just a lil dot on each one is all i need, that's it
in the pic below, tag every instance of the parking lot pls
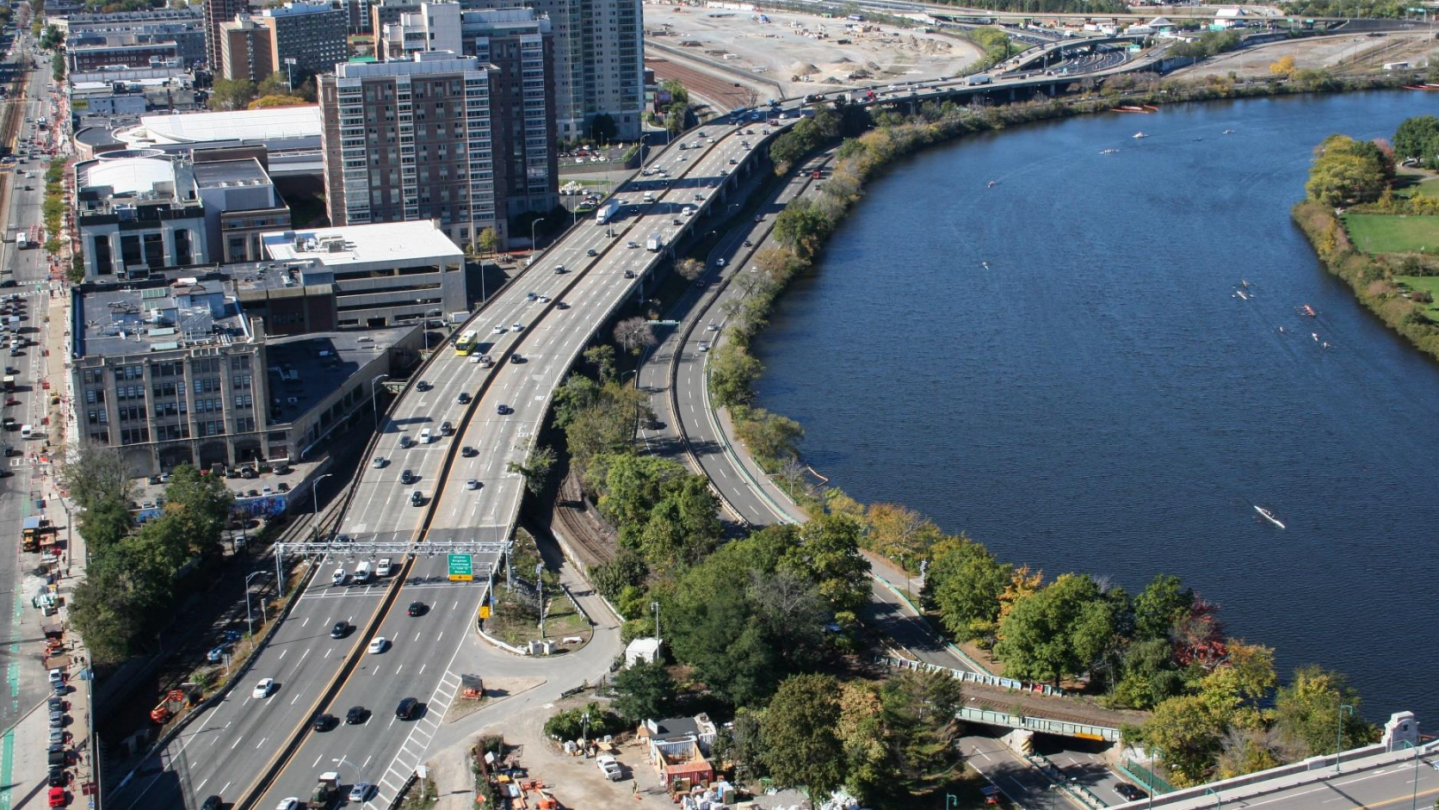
(806, 53)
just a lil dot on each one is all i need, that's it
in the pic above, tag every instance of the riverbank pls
(1388, 284)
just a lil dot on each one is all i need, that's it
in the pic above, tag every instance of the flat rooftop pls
(202, 127)
(381, 243)
(304, 369)
(230, 173)
(253, 276)
(123, 321)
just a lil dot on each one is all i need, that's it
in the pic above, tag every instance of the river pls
(1099, 398)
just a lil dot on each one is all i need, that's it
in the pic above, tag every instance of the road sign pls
(89, 788)
(484, 611)
(461, 568)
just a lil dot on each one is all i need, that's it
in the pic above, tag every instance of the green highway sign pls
(461, 568)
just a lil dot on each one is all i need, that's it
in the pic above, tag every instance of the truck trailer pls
(606, 212)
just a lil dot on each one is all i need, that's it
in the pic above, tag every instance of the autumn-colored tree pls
(900, 533)
(1284, 67)
(1022, 583)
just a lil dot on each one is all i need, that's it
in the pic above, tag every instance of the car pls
(57, 719)
(733, 162)
(447, 429)
(57, 704)
(263, 688)
(214, 656)
(406, 442)
(290, 803)
(610, 768)
(500, 330)
(463, 398)
(632, 244)
(361, 791)
(592, 253)
(532, 296)
(748, 243)
(422, 386)
(472, 484)
(713, 327)
(469, 452)
(704, 346)
(629, 274)
(719, 263)
(559, 270)
(1129, 791)
(407, 709)
(515, 357)
(383, 568)
(407, 477)
(561, 305)
(425, 436)
(324, 722)
(416, 609)
(699, 197)
(58, 777)
(356, 715)
(504, 410)
(677, 223)
(378, 644)
(700, 283)
(544, 299)
(340, 630)
(517, 327)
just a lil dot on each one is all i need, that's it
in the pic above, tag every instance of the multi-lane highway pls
(533, 329)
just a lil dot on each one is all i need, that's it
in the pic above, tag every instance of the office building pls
(312, 33)
(82, 22)
(412, 140)
(383, 274)
(173, 371)
(126, 50)
(519, 47)
(217, 13)
(188, 34)
(240, 204)
(598, 64)
(244, 51)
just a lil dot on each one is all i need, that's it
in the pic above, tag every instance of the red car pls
(11, 401)
(58, 797)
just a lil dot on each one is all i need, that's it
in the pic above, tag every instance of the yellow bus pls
(466, 342)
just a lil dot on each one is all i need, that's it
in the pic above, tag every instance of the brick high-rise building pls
(217, 13)
(244, 51)
(413, 140)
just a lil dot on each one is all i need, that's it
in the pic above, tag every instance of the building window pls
(154, 251)
(183, 252)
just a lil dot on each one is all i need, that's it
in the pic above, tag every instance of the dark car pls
(58, 777)
(464, 398)
(407, 709)
(211, 803)
(516, 358)
(356, 715)
(417, 609)
(504, 410)
(1129, 791)
(58, 704)
(340, 630)
(324, 722)
(469, 452)
(9, 282)
(407, 477)
(422, 386)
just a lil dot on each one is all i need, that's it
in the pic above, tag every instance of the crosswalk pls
(412, 753)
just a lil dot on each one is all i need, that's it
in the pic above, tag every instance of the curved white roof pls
(129, 175)
(274, 122)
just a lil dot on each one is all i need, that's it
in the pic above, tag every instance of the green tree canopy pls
(1346, 171)
(964, 582)
(801, 745)
(644, 691)
(1162, 603)
(1306, 712)
(1059, 630)
(1418, 138)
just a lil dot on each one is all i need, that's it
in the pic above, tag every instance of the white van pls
(26, 431)
(425, 436)
(383, 569)
(362, 573)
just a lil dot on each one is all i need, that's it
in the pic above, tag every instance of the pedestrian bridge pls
(1039, 725)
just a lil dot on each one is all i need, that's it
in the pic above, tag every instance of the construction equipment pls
(471, 687)
(174, 701)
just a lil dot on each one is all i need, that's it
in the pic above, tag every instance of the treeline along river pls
(1062, 366)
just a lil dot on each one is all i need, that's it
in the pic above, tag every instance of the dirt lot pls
(577, 781)
(1346, 52)
(786, 49)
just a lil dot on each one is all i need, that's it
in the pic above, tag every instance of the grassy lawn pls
(517, 625)
(1378, 233)
(1429, 284)
(1429, 186)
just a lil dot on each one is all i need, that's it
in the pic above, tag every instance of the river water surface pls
(1099, 398)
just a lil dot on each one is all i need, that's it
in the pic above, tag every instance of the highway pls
(229, 749)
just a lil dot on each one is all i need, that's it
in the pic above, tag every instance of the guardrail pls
(984, 679)
(1064, 783)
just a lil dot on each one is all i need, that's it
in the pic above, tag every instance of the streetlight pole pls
(1414, 802)
(290, 73)
(1149, 783)
(249, 622)
(1339, 733)
(374, 405)
(540, 587)
(1219, 803)
(315, 491)
(534, 247)
(655, 606)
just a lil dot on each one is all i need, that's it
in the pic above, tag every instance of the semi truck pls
(978, 78)
(606, 212)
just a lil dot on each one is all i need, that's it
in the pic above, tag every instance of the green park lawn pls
(1382, 233)
(1429, 284)
(1428, 185)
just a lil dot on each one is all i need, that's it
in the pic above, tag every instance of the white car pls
(378, 644)
(338, 578)
(500, 330)
(425, 436)
(379, 462)
(472, 484)
(610, 768)
(383, 569)
(291, 803)
(519, 327)
(719, 263)
(361, 791)
(263, 688)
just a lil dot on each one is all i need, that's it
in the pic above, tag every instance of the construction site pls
(800, 53)
(1346, 53)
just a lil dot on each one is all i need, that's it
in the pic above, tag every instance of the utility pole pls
(540, 588)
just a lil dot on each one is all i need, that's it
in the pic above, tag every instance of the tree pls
(231, 94)
(536, 469)
(200, 504)
(1285, 67)
(733, 371)
(1161, 605)
(275, 84)
(602, 357)
(625, 569)
(633, 485)
(95, 473)
(684, 527)
(828, 556)
(690, 269)
(57, 67)
(634, 335)
(964, 582)
(1021, 584)
(1418, 138)
(900, 533)
(269, 102)
(1247, 751)
(1148, 674)
(487, 241)
(1347, 171)
(741, 746)
(1187, 732)
(644, 691)
(603, 128)
(1059, 630)
(106, 523)
(675, 117)
(801, 746)
(919, 707)
(802, 227)
(769, 436)
(1307, 709)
